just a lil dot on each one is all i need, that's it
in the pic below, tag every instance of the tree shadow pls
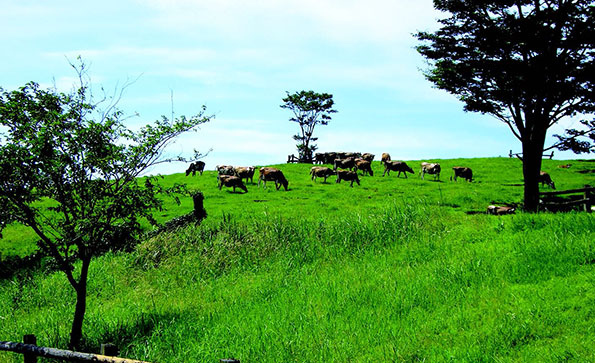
(125, 334)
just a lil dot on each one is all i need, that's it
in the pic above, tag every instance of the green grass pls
(391, 270)
(496, 180)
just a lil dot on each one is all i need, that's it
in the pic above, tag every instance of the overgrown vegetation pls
(393, 270)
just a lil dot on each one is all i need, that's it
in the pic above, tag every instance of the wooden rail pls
(520, 155)
(587, 201)
(32, 351)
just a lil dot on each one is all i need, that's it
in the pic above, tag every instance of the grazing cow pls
(498, 210)
(364, 165)
(385, 158)
(544, 178)
(321, 172)
(194, 167)
(368, 157)
(348, 163)
(225, 170)
(330, 157)
(347, 175)
(245, 172)
(462, 172)
(567, 166)
(319, 158)
(232, 181)
(272, 174)
(430, 168)
(351, 155)
(399, 166)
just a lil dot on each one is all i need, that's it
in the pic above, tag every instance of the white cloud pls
(343, 21)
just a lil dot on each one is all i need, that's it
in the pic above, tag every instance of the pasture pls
(398, 269)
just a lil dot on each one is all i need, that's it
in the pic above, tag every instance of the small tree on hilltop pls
(70, 172)
(529, 63)
(309, 109)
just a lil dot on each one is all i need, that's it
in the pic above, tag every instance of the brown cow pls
(544, 178)
(319, 158)
(430, 168)
(232, 181)
(224, 170)
(399, 166)
(364, 165)
(347, 175)
(462, 172)
(194, 167)
(245, 172)
(500, 210)
(347, 163)
(330, 157)
(385, 158)
(320, 171)
(368, 157)
(272, 174)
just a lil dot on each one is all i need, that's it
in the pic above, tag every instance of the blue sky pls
(240, 57)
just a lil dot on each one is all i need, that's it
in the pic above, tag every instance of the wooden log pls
(65, 355)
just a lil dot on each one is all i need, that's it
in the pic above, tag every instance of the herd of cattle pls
(345, 167)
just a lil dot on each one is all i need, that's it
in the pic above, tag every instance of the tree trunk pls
(532, 155)
(76, 332)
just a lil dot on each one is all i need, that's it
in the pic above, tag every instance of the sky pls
(240, 58)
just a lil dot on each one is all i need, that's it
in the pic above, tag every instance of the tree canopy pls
(69, 170)
(309, 109)
(527, 63)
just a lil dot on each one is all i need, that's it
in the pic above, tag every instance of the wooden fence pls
(31, 351)
(584, 196)
(520, 155)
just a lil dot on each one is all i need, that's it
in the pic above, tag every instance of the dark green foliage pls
(574, 140)
(309, 109)
(68, 170)
(528, 63)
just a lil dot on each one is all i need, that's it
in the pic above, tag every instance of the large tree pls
(309, 109)
(69, 169)
(529, 63)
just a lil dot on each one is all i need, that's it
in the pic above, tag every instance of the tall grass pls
(400, 282)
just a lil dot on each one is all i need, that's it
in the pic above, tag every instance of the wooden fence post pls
(588, 196)
(29, 357)
(109, 350)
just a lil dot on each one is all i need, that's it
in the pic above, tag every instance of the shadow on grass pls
(127, 334)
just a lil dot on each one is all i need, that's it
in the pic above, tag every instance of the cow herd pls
(345, 167)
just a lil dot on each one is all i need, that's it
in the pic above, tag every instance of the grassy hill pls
(394, 269)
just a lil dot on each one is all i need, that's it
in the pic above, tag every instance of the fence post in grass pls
(109, 350)
(588, 196)
(199, 210)
(30, 357)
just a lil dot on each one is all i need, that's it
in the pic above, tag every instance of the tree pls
(71, 173)
(528, 63)
(309, 109)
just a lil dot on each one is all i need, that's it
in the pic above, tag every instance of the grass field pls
(395, 269)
